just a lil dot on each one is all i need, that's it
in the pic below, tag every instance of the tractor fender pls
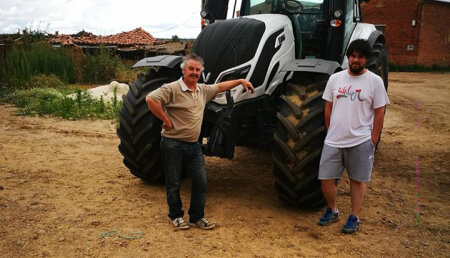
(375, 36)
(312, 65)
(169, 61)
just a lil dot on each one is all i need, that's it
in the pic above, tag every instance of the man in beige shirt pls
(180, 106)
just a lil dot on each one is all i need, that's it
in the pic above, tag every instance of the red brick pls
(429, 37)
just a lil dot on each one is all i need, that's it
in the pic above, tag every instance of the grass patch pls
(54, 102)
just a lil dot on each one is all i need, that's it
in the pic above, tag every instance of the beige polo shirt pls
(184, 108)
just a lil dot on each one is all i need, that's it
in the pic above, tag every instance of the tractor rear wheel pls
(378, 65)
(139, 130)
(298, 141)
(378, 62)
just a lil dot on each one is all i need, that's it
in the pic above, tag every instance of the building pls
(417, 31)
(133, 45)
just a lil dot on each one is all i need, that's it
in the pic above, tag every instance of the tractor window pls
(258, 6)
(312, 29)
(311, 4)
(349, 22)
(250, 7)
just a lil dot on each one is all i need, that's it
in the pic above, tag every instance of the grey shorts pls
(358, 160)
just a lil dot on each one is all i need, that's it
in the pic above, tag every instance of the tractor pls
(287, 49)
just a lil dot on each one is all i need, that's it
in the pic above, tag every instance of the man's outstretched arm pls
(228, 85)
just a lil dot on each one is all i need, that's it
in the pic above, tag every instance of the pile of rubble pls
(106, 92)
(135, 37)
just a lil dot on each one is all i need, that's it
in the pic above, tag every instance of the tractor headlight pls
(203, 14)
(338, 13)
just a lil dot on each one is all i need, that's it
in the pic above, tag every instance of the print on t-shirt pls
(344, 93)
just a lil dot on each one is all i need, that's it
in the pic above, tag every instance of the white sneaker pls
(203, 224)
(180, 224)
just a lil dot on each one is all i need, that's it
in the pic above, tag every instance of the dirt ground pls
(63, 184)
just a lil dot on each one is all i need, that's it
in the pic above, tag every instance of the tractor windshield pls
(307, 20)
(279, 6)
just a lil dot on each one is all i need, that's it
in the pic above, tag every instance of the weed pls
(24, 62)
(100, 67)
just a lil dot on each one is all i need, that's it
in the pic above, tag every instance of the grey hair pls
(194, 57)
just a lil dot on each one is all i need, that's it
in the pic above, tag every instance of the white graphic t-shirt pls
(354, 100)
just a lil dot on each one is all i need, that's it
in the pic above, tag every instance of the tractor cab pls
(322, 28)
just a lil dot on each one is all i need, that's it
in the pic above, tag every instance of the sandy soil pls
(63, 184)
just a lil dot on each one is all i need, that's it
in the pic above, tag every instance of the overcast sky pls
(103, 17)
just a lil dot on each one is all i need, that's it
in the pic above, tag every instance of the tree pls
(175, 38)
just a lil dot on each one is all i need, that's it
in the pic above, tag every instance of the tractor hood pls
(228, 44)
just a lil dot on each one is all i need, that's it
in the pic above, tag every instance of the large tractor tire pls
(139, 130)
(298, 141)
(378, 62)
(378, 65)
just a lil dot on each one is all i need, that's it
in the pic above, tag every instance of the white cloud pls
(102, 17)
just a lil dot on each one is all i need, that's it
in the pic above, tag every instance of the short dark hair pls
(194, 57)
(360, 46)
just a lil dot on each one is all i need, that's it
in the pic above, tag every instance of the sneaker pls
(179, 223)
(352, 224)
(203, 224)
(329, 217)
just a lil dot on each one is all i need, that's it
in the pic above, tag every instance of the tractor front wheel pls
(298, 141)
(139, 130)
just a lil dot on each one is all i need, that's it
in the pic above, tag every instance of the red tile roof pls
(135, 37)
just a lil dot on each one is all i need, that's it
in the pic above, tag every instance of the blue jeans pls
(179, 156)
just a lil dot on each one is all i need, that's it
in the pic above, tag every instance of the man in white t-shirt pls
(354, 114)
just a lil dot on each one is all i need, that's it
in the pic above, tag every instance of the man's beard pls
(356, 70)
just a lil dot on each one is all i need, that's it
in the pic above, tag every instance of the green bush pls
(31, 100)
(48, 101)
(46, 81)
(101, 67)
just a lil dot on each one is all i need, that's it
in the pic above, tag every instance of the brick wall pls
(434, 40)
(428, 39)
(397, 15)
